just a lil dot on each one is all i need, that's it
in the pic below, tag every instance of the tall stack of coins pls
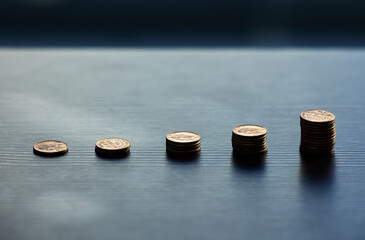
(112, 147)
(318, 132)
(182, 142)
(249, 139)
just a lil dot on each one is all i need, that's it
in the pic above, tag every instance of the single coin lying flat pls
(318, 116)
(112, 147)
(250, 130)
(50, 148)
(183, 137)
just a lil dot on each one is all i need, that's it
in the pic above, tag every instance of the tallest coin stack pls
(318, 135)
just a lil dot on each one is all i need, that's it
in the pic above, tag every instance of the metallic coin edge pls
(39, 152)
(111, 150)
(172, 140)
(240, 135)
(312, 121)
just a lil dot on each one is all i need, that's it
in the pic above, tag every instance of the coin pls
(181, 142)
(183, 137)
(318, 132)
(112, 147)
(249, 139)
(50, 148)
(317, 116)
(182, 146)
(316, 152)
(185, 151)
(249, 130)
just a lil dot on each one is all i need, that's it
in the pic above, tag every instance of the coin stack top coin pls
(50, 148)
(318, 132)
(112, 147)
(183, 142)
(249, 139)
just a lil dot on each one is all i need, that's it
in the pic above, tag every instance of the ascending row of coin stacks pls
(249, 140)
(318, 137)
(318, 132)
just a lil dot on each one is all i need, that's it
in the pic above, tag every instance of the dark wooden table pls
(81, 95)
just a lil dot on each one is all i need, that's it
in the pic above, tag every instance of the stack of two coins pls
(318, 132)
(249, 139)
(183, 142)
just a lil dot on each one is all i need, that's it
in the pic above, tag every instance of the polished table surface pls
(81, 95)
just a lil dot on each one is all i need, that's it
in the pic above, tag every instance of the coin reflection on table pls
(112, 147)
(50, 148)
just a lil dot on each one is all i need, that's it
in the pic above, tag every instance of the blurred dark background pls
(182, 22)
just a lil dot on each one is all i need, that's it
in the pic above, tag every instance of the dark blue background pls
(182, 23)
(248, 13)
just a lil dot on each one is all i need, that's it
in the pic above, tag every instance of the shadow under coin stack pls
(249, 139)
(318, 132)
(183, 142)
